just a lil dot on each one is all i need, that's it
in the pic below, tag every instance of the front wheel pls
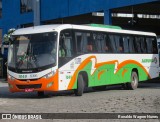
(134, 81)
(80, 86)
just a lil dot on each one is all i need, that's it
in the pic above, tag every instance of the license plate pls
(29, 89)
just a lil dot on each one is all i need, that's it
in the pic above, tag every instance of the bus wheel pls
(40, 93)
(134, 81)
(80, 86)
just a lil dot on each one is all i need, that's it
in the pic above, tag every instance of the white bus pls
(72, 57)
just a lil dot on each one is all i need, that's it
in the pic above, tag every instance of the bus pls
(72, 57)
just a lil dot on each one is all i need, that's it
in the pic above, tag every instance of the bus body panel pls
(104, 69)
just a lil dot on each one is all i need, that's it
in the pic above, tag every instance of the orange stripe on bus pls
(124, 71)
(121, 65)
(81, 66)
(104, 63)
(100, 73)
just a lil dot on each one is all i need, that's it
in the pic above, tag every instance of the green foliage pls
(8, 37)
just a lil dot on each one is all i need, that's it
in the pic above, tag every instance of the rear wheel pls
(134, 81)
(80, 86)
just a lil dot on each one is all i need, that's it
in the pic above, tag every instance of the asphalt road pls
(145, 99)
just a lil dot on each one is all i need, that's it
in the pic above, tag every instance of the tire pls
(134, 81)
(99, 88)
(40, 93)
(80, 86)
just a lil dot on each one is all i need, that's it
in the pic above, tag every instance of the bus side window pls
(78, 39)
(62, 52)
(119, 44)
(84, 43)
(90, 45)
(67, 43)
(66, 50)
(143, 45)
(99, 41)
(137, 45)
(131, 45)
(116, 43)
(108, 47)
(149, 45)
(154, 46)
(113, 45)
(126, 44)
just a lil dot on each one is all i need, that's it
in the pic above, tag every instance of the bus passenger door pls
(66, 54)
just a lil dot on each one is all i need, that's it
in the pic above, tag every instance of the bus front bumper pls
(41, 84)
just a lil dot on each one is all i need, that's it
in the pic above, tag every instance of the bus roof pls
(104, 26)
(39, 29)
(58, 27)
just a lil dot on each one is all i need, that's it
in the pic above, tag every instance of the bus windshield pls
(33, 51)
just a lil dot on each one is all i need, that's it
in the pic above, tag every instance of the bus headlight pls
(11, 77)
(49, 75)
(49, 84)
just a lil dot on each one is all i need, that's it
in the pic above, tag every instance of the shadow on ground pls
(4, 91)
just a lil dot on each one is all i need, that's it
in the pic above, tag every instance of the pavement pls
(145, 99)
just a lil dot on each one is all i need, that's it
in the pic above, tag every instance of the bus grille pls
(28, 79)
(36, 86)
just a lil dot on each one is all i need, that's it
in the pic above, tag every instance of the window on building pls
(26, 6)
(0, 8)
